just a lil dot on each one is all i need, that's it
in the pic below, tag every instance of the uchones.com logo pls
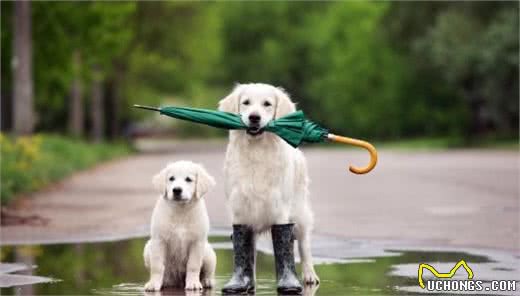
(443, 282)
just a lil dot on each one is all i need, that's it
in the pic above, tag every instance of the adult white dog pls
(178, 253)
(266, 184)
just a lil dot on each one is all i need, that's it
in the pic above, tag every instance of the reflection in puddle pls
(117, 268)
(263, 287)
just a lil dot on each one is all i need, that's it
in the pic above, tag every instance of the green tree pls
(268, 42)
(480, 61)
(99, 32)
(464, 57)
(358, 80)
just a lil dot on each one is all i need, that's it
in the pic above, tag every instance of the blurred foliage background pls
(29, 163)
(374, 70)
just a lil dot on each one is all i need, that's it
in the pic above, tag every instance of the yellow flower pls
(29, 147)
(5, 143)
(21, 165)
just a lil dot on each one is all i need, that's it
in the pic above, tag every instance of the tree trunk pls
(114, 119)
(97, 106)
(116, 100)
(76, 113)
(23, 112)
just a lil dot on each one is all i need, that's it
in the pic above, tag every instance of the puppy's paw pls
(208, 283)
(310, 277)
(153, 285)
(193, 285)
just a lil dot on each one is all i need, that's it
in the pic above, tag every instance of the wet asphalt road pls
(459, 198)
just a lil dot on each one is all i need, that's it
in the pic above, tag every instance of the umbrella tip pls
(146, 107)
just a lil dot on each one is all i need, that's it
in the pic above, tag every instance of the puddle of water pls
(117, 268)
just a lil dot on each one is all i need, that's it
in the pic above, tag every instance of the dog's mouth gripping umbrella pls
(293, 128)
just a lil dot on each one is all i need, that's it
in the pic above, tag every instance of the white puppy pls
(178, 253)
(267, 179)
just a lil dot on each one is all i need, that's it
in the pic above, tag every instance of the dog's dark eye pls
(172, 178)
(246, 102)
(267, 104)
(188, 179)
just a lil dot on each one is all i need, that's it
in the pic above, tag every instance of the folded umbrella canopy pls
(293, 128)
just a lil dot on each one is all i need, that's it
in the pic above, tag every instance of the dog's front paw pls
(193, 285)
(208, 283)
(310, 277)
(153, 285)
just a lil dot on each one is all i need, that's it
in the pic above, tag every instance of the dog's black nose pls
(254, 118)
(177, 191)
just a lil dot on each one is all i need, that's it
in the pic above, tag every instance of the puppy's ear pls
(159, 181)
(204, 182)
(230, 103)
(284, 105)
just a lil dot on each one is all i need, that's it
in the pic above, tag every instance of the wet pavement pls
(455, 198)
(372, 231)
(345, 266)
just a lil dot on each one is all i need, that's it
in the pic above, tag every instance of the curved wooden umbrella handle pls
(350, 141)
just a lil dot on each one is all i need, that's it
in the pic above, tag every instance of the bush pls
(29, 163)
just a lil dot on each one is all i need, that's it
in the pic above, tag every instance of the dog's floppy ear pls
(284, 105)
(159, 180)
(204, 182)
(230, 103)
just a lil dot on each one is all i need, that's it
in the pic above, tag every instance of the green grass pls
(447, 143)
(422, 144)
(439, 143)
(30, 163)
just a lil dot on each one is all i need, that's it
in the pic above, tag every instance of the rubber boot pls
(243, 279)
(283, 245)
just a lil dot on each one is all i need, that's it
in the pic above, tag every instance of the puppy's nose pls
(254, 118)
(177, 191)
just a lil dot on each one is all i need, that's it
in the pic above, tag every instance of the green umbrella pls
(293, 128)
